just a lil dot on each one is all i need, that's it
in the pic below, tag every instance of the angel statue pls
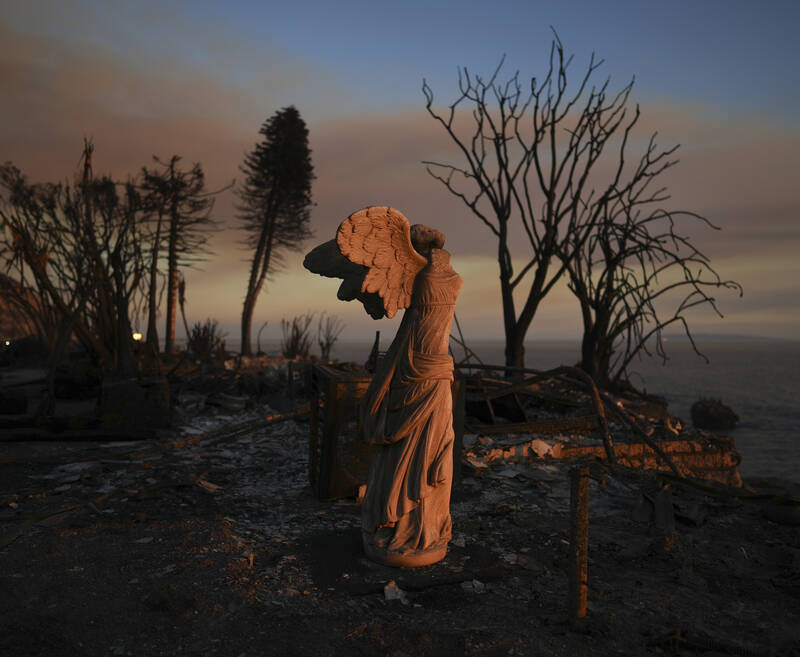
(407, 411)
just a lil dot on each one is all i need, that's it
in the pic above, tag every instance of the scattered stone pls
(393, 592)
(713, 415)
(475, 586)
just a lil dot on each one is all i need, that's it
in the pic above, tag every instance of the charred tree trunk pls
(247, 321)
(258, 273)
(515, 349)
(152, 299)
(589, 363)
(182, 301)
(125, 365)
(172, 281)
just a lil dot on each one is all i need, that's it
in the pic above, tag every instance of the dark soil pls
(203, 543)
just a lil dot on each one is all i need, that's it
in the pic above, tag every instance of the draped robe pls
(407, 414)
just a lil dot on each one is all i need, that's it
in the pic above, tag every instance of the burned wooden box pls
(338, 458)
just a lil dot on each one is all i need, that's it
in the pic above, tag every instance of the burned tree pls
(296, 340)
(117, 261)
(181, 223)
(81, 246)
(530, 173)
(41, 274)
(25, 305)
(275, 202)
(637, 273)
(155, 190)
(329, 329)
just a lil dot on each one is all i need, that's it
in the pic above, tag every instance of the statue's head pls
(424, 238)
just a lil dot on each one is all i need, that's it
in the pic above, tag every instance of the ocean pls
(758, 378)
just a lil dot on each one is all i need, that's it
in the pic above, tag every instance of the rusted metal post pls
(578, 543)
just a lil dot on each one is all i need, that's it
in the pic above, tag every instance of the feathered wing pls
(327, 260)
(379, 238)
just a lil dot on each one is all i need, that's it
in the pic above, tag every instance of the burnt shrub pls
(296, 340)
(206, 340)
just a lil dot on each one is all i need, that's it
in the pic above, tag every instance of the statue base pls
(408, 560)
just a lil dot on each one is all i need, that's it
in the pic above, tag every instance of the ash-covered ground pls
(206, 541)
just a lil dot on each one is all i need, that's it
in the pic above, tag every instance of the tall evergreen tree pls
(275, 202)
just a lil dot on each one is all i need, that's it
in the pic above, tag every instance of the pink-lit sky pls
(198, 78)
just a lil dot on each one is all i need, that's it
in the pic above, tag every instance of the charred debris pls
(599, 519)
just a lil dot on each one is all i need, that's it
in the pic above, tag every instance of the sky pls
(197, 79)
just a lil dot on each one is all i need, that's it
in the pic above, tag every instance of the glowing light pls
(8, 343)
(137, 336)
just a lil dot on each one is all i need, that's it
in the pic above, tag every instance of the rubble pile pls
(555, 419)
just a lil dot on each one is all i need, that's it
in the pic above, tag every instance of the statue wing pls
(327, 260)
(379, 238)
